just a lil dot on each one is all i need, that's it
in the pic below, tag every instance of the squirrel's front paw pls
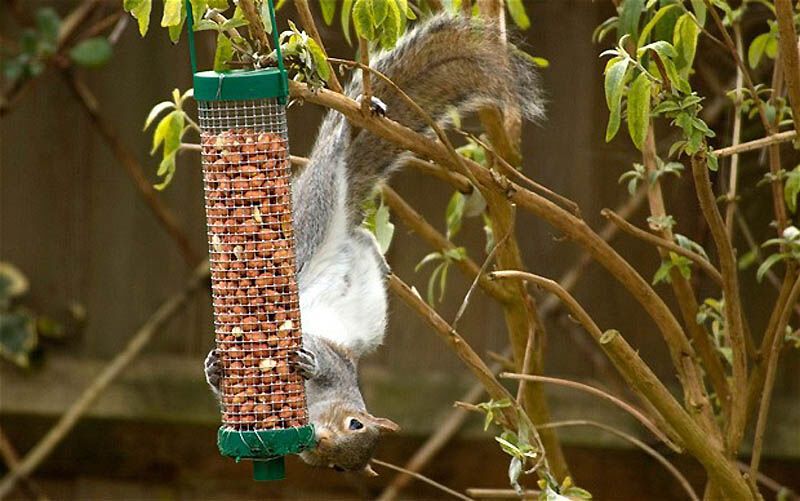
(305, 362)
(376, 106)
(213, 369)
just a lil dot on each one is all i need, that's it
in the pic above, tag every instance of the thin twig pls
(502, 493)
(769, 483)
(734, 321)
(642, 380)
(648, 237)
(638, 443)
(423, 478)
(476, 280)
(454, 179)
(417, 223)
(132, 166)
(507, 170)
(453, 421)
(107, 375)
(733, 175)
(784, 14)
(11, 459)
(769, 381)
(255, 25)
(633, 411)
(575, 229)
(757, 144)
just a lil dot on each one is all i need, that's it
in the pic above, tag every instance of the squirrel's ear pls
(385, 425)
(367, 471)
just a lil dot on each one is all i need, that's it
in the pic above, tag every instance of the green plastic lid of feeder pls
(238, 85)
(265, 448)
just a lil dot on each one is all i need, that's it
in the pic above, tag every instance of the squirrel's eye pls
(355, 424)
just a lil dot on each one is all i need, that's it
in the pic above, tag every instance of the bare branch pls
(423, 478)
(648, 237)
(638, 443)
(734, 320)
(633, 411)
(769, 382)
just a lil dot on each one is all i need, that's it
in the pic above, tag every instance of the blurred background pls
(98, 264)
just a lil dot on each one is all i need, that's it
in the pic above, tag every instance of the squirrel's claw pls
(213, 370)
(305, 362)
(376, 106)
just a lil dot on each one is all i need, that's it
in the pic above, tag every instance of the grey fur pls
(445, 62)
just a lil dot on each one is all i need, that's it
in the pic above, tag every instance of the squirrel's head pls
(347, 438)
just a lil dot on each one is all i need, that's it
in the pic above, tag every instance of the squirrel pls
(445, 62)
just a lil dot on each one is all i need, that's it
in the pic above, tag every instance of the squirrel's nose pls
(323, 435)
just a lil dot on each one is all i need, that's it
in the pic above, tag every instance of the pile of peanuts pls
(256, 310)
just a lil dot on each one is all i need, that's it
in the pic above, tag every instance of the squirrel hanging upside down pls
(445, 62)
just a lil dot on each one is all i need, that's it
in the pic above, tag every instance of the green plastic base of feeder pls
(238, 85)
(266, 448)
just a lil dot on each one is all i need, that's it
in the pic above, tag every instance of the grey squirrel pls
(444, 62)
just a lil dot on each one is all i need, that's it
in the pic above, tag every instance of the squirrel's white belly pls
(342, 294)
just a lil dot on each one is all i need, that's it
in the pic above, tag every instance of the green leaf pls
(328, 8)
(791, 189)
(13, 283)
(92, 52)
(614, 85)
(140, 10)
(685, 42)
(378, 10)
(699, 8)
(663, 11)
(384, 229)
(347, 10)
(757, 48)
(172, 13)
(362, 19)
(320, 60)
(176, 30)
(167, 166)
(639, 109)
(206, 25)
(429, 258)
(392, 25)
(767, 264)
(431, 295)
(157, 110)
(516, 9)
(629, 18)
(18, 337)
(161, 131)
(48, 23)
(224, 52)
(454, 214)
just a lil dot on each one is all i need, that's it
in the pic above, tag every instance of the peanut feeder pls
(246, 169)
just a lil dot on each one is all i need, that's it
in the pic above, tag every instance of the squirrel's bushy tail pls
(444, 62)
(447, 61)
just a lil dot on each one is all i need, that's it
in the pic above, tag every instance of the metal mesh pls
(251, 245)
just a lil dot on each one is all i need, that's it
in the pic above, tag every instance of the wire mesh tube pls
(251, 245)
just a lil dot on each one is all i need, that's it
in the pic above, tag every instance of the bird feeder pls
(246, 170)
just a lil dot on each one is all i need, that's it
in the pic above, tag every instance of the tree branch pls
(648, 237)
(734, 322)
(633, 411)
(784, 14)
(134, 169)
(642, 380)
(769, 382)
